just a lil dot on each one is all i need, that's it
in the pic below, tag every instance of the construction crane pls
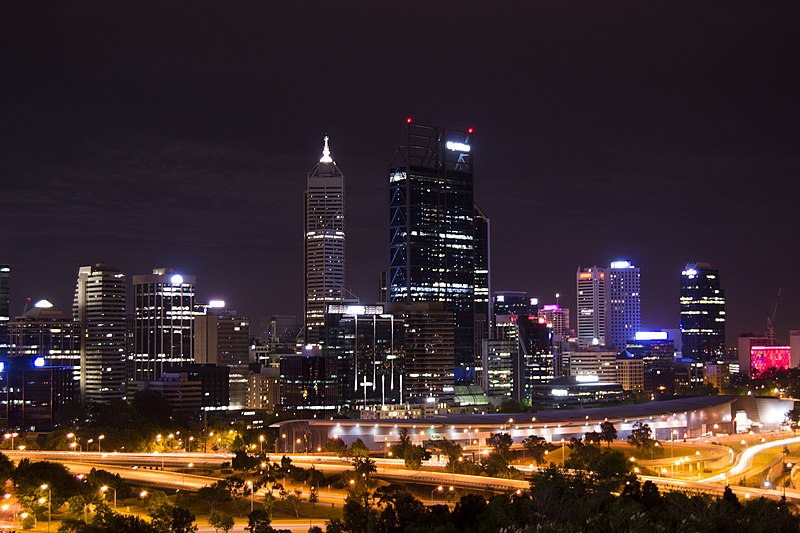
(771, 320)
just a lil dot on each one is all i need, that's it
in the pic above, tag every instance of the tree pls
(269, 502)
(501, 442)
(151, 408)
(608, 432)
(243, 462)
(293, 499)
(169, 518)
(592, 437)
(258, 522)
(413, 457)
(336, 446)
(640, 436)
(359, 449)
(538, 447)
(215, 493)
(451, 450)
(6, 468)
(363, 468)
(315, 529)
(29, 476)
(219, 520)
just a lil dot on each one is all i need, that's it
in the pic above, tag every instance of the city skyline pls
(680, 134)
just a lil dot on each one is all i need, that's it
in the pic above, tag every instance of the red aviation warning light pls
(470, 130)
(408, 120)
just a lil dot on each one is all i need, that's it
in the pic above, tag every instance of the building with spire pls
(324, 243)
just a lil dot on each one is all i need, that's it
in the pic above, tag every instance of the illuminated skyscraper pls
(46, 332)
(324, 236)
(432, 256)
(163, 329)
(702, 313)
(624, 304)
(591, 306)
(5, 307)
(99, 309)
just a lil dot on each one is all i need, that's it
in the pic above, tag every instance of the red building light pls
(764, 357)
(408, 120)
(470, 130)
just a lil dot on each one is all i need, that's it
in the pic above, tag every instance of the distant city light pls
(621, 264)
(457, 146)
(587, 378)
(408, 120)
(651, 335)
(177, 279)
(689, 272)
(534, 301)
(216, 304)
(470, 130)
(43, 304)
(551, 307)
(38, 362)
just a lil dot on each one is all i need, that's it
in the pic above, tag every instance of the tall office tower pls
(624, 304)
(483, 315)
(432, 230)
(163, 330)
(702, 313)
(591, 306)
(99, 309)
(5, 307)
(324, 242)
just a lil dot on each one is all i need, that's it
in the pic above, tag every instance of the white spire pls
(326, 153)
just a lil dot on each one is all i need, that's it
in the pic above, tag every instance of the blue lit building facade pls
(432, 255)
(33, 393)
(624, 312)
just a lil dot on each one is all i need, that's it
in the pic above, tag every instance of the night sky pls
(181, 134)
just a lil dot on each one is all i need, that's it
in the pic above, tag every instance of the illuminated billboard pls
(764, 357)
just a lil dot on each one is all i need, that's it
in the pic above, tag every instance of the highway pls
(146, 468)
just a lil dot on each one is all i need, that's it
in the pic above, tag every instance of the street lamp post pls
(11, 436)
(261, 442)
(49, 504)
(104, 488)
(99, 439)
(439, 489)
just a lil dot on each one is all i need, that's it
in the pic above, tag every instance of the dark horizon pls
(181, 135)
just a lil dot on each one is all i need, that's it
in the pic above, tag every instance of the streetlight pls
(261, 442)
(101, 437)
(439, 488)
(104, 488)
(49, 504)
(189, 444)
(11, 436)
